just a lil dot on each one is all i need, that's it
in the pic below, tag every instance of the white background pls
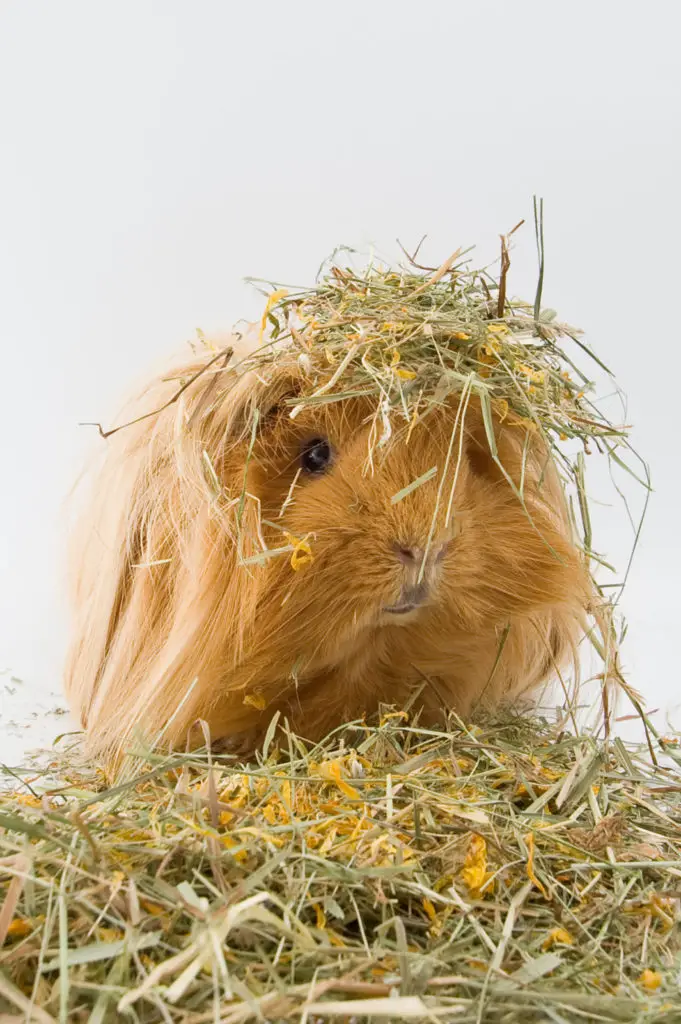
(153, 154)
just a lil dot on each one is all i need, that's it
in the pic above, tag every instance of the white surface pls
(153, 154)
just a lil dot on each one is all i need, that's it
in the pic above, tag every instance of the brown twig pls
(225, 353)
(505, 265)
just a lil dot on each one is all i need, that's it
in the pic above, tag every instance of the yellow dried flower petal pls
(474, 872)
(273, 299)
(529, 867)
(537, 376)
(460, 336)
(650, 980)
(27, 799)
(255, 700)
(561, 935)
(302, 552)
(429, 908)
(497, 328)
(19, 927)
(405, 374)
(155, 909)
(391, 715)
(331, 771)
(321, 916)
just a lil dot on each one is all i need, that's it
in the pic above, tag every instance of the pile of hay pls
(496, 873)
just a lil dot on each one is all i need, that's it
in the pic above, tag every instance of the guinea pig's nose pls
(410, 555)
(407, 554)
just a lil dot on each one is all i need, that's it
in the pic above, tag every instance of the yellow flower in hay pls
(331, 771)
(536, 376)
(255, 700)
(321, 916)
(262, 836)
(239, 855)
(429, 909)
(650, 980)
(27, 799)
(392, 715)
(659, 907)
(460, 336)
(272, 300)
(529, 867)
(269, 813)
(497, 328)
(557, 935)
(302, 552)
(502, 408)
(474, 872)
(155, 909)
(19, 927)
(400, 371)
(437, 921)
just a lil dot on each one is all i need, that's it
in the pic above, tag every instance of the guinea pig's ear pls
(520, 451)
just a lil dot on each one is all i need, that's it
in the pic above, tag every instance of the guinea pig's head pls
(428, 526)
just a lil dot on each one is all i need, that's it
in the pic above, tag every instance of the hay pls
(490, 873)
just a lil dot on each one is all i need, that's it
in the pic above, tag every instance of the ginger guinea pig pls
(188, 605)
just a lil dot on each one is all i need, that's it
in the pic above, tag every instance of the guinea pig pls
(236, 560)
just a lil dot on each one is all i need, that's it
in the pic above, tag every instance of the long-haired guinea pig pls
(188, 605)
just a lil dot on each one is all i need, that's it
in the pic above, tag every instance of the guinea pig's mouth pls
(411, 599)
(401, 609)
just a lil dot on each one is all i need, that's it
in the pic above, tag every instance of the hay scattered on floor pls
(495, 873)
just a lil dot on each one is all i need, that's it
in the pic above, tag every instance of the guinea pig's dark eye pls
(315, 456)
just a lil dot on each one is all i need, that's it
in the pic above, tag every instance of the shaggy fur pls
(170, 627)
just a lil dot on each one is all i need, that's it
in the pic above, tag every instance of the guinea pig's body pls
(186, 607)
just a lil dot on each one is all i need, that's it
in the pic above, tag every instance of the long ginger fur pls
(176, 619)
